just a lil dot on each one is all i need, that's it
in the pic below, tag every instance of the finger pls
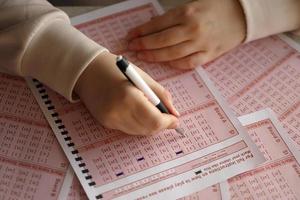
(153, 120)
(191, 61)
(156, 24)
(147, 114)
(174, 125)
(163, 94)
(165, 38)
(169, 53)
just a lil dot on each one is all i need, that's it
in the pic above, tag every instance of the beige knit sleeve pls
(37, 40)
(268, 17)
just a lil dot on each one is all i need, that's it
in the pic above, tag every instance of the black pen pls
(133, 76)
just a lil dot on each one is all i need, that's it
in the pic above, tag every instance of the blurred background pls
(75, 7)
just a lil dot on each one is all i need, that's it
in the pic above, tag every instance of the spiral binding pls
(45, 98)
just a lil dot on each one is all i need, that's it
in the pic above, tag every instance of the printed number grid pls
(262, 74)
(32, 164)
(278, 178)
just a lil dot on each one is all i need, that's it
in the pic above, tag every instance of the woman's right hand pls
(117, 104)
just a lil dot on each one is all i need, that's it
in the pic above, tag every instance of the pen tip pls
(180, 131)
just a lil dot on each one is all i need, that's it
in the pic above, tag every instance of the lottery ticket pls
(279, 177)
(261, 74)
(32, 163)
(110, 164)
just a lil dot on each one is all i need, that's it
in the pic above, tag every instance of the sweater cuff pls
(57, 56)
(268, 17)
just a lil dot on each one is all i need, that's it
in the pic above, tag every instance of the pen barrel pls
(162, 108)
(137, 80)
(133, 76)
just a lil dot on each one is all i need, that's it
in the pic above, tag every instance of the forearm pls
(268, 17)
(37, 40)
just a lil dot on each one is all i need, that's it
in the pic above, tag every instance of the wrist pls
(95, 74)
(240, 20)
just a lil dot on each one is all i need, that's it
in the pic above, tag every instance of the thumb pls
(173, 122)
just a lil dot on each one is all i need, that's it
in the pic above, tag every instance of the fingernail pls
(174, 125)
(176, 112)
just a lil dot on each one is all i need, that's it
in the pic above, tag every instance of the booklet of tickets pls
(110, 164)
(32, 164)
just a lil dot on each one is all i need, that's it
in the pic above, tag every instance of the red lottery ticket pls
(32, 164)
(261, 74)
(279, 177)
(110, 164)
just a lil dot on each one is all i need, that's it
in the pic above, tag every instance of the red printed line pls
(100, 143)
(289, 111)
(11, 77)
(31, 166)
(259, 78)
(259, 124)
(23, 120)
(203, 106)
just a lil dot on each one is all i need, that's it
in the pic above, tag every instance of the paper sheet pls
(32, 164)
(76, 192)
(262, 74)
(279, 177)
(110, 164)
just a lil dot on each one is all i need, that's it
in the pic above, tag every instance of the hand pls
(190, 35)
(117, 104)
